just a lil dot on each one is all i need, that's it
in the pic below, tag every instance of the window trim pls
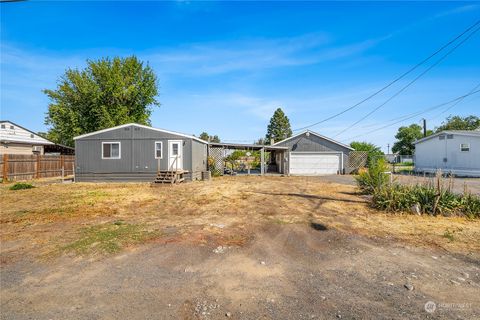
(119, 150)
(155, 149)
(468, 146)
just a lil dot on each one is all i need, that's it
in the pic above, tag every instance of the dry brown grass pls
(225, 210)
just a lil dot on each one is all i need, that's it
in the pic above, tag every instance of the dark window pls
(12, 127)
(175, 149)
(465, 147)
(31, 136)
(442, 137)
(449, 136)
(3, 126)
(158, 150)
(111, 150)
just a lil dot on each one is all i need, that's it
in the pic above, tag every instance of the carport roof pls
(242, 146)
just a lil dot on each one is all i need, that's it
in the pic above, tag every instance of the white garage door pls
(314, 163)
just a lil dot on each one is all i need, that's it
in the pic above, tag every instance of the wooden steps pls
(171, 177)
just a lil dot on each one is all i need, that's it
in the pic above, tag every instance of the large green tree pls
(373, 151)
(406, 136)
(458, 123)
(106, 93)
(279, 127)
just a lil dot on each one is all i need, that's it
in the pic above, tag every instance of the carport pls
(217, 151)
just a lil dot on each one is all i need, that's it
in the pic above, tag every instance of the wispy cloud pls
(254, 54)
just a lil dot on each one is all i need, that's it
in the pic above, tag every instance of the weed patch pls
(108, 238)
(21, 186)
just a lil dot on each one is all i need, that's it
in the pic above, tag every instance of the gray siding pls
(199, 159)
(137, 154)
(314, 143)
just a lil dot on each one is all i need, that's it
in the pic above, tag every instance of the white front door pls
(175, 154)
(314, 163)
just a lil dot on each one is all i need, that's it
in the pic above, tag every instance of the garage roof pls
(316, 134)
(242, 146)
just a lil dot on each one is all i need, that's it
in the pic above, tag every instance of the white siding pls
(433, 154)
(10, 132)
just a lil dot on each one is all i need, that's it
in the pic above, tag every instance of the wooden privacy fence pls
(26, 167)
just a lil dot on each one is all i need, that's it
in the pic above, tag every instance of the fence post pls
(62, 163)
(37, 169)
(5, 167)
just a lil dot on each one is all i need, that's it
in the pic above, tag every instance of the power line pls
(409, 84)
(416, 114)
(453, 105)
(392, 82)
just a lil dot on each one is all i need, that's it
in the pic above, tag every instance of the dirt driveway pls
(240, 248)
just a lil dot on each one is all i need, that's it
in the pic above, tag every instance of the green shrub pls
(21, 186)
(406, 164)
(373, 178)
(471, 205)
(429, 200)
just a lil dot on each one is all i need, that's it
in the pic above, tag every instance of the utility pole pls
(388, 148)
(424, 127)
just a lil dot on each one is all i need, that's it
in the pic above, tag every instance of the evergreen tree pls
(279, 127)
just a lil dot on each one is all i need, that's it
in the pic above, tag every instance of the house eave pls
(140, 126)
(473, 133)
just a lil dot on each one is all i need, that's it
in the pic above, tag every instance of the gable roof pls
(318, 135)
(471, 133)
(7, 137)
(140, 126)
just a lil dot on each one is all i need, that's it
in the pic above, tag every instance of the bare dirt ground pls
(234, 247)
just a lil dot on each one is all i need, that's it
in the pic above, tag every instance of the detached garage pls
(310, 153)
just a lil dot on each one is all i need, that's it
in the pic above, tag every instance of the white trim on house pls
(472, 133)
(316, 134)
(161, 149)
(140, 126)
(119, 150)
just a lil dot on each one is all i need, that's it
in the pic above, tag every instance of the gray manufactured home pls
(134, 152)
(310, 153)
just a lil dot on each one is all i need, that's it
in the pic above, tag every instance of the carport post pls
(262, 161)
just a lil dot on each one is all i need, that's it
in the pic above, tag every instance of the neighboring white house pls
(452, 151)
(15, 139)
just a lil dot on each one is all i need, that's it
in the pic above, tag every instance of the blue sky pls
(224, 67)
